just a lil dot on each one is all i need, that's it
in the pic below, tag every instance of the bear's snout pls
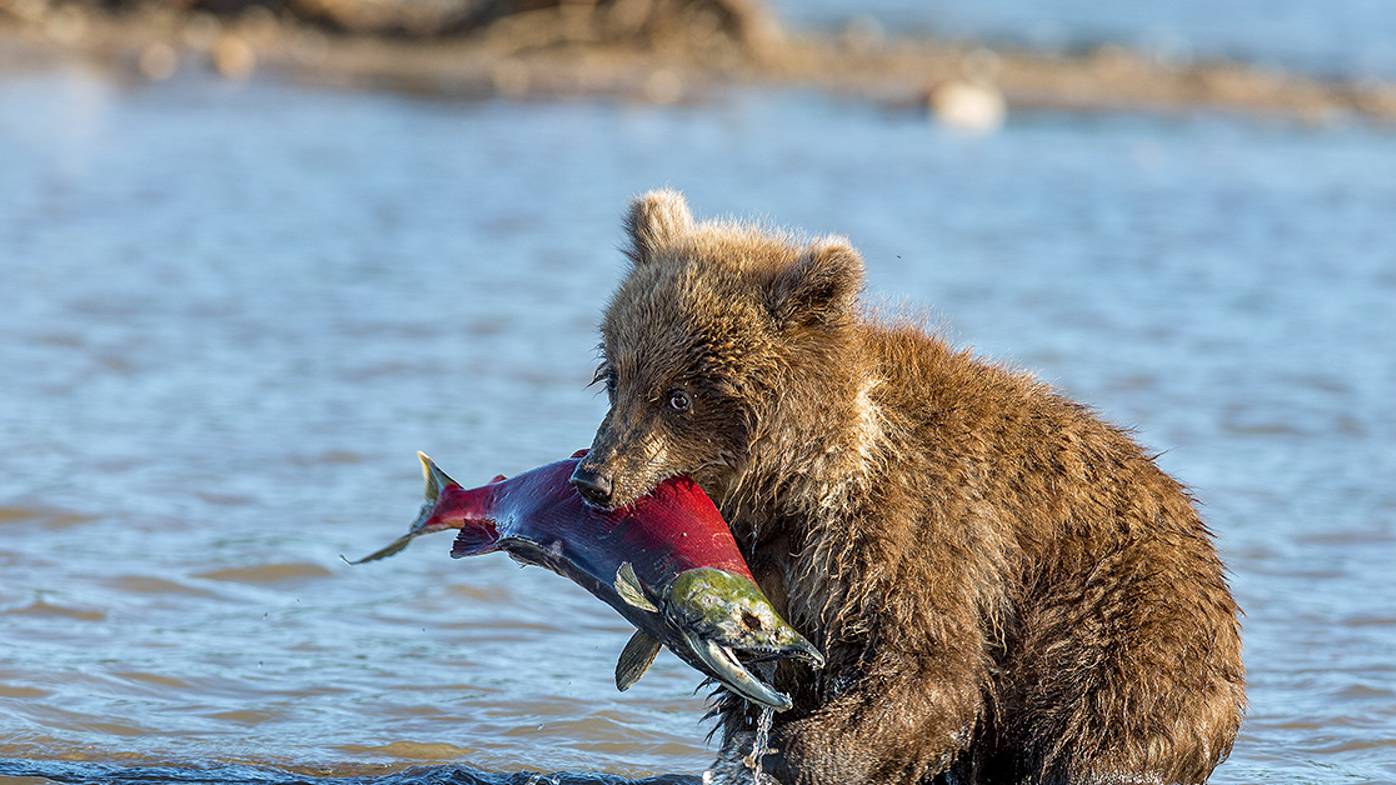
(594, 486)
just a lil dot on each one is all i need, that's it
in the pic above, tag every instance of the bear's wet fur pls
(1007, 588)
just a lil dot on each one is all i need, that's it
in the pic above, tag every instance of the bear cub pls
(1007, 589)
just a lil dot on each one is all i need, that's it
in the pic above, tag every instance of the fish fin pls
(475, 537)
(390, 549)
(436, 480)
(635, 659)
(630, 589)
(580, 453)
(498, 478)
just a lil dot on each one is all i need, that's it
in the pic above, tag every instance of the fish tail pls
(450, 506)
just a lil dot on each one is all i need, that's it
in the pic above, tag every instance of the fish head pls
(727, 623)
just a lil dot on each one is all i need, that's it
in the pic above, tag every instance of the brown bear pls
(1007, 589)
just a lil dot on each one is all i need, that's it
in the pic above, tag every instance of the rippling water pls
(229, 316)
(20, 772)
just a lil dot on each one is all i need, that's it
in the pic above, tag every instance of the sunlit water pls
(230, 315)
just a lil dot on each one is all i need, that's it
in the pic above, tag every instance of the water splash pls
(760, 747)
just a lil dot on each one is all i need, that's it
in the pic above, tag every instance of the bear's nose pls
(592, 485)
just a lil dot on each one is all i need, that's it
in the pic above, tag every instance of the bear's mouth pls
(725, 664)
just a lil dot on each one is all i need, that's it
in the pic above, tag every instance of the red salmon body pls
(673, 529)
(667, 563)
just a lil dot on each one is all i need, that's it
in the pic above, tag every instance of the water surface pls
(230, 315)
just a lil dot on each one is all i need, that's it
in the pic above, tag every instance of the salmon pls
(667, 563)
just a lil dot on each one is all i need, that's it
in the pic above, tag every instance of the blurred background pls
(254, 255)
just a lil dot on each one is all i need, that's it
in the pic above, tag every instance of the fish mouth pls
(800, 649)
(725, 663)
(728, 625)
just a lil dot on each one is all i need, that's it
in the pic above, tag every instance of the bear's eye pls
(679, 401)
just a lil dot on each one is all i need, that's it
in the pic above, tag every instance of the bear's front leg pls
(900, 724)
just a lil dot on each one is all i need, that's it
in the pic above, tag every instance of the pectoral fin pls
(630, 589)
(635, 659)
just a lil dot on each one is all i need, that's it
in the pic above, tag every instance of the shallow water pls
(229, 316)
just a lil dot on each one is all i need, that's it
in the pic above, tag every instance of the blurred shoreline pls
(575, 49)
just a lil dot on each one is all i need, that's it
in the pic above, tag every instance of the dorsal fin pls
(630, 589)
(635, 659)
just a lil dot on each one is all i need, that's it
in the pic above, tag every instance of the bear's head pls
(718, 331)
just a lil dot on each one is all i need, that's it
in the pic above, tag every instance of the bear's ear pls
(655, 220)
(821, 288)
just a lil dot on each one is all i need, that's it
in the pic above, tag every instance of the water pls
(760, 745)
(230, 315)
(1347, 38)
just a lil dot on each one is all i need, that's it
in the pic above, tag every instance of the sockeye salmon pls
(667, 563)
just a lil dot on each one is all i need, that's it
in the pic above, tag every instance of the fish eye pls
(679, 401)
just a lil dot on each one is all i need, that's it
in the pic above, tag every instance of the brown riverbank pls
(556, 50)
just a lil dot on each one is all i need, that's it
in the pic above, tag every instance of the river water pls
(230, 314)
